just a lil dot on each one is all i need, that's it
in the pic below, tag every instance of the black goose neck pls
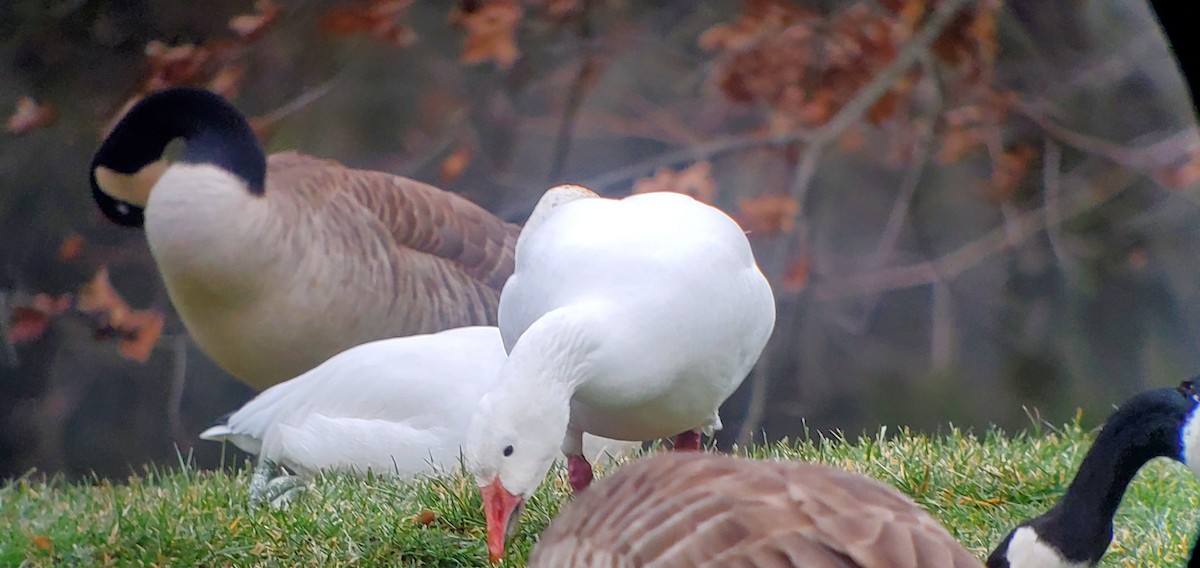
(1147, 426)
(213, 130)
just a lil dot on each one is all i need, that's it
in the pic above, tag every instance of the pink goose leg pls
(579, 472)
(687, 442)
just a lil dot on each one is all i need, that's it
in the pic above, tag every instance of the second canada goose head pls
(130, 161)
(1077, 530)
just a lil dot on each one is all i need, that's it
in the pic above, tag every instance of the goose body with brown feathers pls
(677, 510)
(276, 264)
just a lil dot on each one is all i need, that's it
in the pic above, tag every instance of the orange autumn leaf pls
(28, 116)
(1008, 170)
(1181, 175)
(455, 164)
(174, 65)
(137, 330)
(425, 517)
(379, 19)
(768, 215)
(795, 278)
(99, 297)
(26, 324)
(695, 180)
(52, 305)
(140, 334)
(956, 142)
(42, 542)
(491, 33)
(228, 81)
(250, 27)
(71, 247)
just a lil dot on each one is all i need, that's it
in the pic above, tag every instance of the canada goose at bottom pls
(685, 510)
(1076, 531)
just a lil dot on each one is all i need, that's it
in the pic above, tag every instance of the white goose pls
(394, 406)
(631, 319)
(276, 264)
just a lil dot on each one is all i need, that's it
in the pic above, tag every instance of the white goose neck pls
(554, 353)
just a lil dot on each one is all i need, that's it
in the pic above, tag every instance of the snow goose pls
(1077, 530)
(677, 510)
(630, 319)
(394, 406)
(276, 264)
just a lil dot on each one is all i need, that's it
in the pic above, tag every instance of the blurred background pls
(972, 212)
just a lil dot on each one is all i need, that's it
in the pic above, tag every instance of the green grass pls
(977, 486)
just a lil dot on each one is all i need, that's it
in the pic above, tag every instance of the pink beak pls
(501, 509)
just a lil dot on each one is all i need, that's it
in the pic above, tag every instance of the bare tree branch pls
(175, 396)
(1020, 228)
(583, 81)
(693, 154)
(1052, 189)
(1139, 158)
(8, 353)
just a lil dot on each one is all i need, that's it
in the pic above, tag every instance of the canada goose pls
(276, 264)
(631, 319)
(1077, 530)
(693, 510)
(394, 406)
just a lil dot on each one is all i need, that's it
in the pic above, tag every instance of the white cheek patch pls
(1027, 550)
(131, 188)
(1190, 441)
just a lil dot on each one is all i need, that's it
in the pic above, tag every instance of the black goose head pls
(1077, 530)
(129, 161)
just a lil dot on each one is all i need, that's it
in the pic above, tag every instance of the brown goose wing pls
(683, 510)
(442, 246)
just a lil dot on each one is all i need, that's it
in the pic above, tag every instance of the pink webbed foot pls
(579, 472)
(687, 442)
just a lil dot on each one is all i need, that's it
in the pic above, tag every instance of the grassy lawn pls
(978, 486)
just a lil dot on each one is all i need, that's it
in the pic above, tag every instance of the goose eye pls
(508, 450)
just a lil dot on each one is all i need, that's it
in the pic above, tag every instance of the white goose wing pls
(394, 402)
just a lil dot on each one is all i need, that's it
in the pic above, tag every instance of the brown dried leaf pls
(1182, 175)
(42, 542)
(52, 305)
(139, 333)
(174, 65)
(28, 116)
(795, 278)
(379, 19)
(228, 81)
(1008, 170)
(137, 330)
(956, 142)
(71, 247)
(250, 27)
(26, 324)
(425, 518)
(98, 297)
(491, 33)
(767, 215)
(455, 164)
(695, 180)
